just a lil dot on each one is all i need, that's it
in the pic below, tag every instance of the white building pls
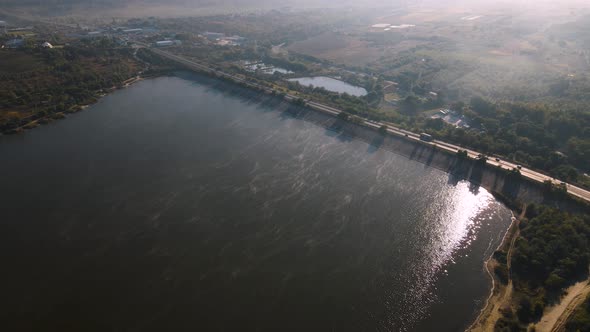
(132, 31)
(213, 35)
(164, 43)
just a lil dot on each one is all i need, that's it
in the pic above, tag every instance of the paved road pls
(525, 172)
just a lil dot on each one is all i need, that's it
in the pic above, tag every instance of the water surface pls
(185, 204)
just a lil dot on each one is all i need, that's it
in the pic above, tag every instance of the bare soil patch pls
(338, 48)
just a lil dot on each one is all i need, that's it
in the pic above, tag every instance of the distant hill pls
(198, 3)
(167, 8)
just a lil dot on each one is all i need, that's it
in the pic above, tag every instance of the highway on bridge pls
(525, 172)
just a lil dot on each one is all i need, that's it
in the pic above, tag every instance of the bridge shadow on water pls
(339, 129)
(475, 178)
(432, 152)
(292, 112)
(417, 148)
(424, 154)
(375, 144)
(511, 188)
(480, 175)
(458, 170)
(466, 170)
(230, 89)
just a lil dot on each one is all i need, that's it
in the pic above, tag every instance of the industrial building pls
(166, 43)
(213, 35)
(133, 31)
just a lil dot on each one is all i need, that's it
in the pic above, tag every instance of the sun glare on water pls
(456, 222)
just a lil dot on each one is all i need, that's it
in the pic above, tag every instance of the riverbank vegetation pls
(550, 252)
(38, 83)
(556, 140)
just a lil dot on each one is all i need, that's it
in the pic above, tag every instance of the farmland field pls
(504, 54)
(338, 48)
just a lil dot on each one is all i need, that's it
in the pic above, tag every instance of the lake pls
(331, 84)
(187, 204)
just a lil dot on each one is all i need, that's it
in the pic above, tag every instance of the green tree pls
(410, 105)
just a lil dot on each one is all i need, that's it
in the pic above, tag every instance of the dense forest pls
(37, 82)
(553, 249)
(556, 140)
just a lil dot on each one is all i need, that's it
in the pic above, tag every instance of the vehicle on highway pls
(426, 137)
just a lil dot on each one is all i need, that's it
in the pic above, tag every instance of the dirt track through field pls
(555, 317)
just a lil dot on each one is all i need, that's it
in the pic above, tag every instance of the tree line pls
(552, 251)
(69, 76)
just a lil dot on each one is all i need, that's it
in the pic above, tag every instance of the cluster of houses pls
(216, 38)
(20, 42)
(125, 35)
(452, 118)
(166, 43)
(221, 39)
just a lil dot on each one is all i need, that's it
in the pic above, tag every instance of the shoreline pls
(500, 293)
(74, 108)
(554, 317)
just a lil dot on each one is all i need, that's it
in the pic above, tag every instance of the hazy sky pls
(205, 7)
